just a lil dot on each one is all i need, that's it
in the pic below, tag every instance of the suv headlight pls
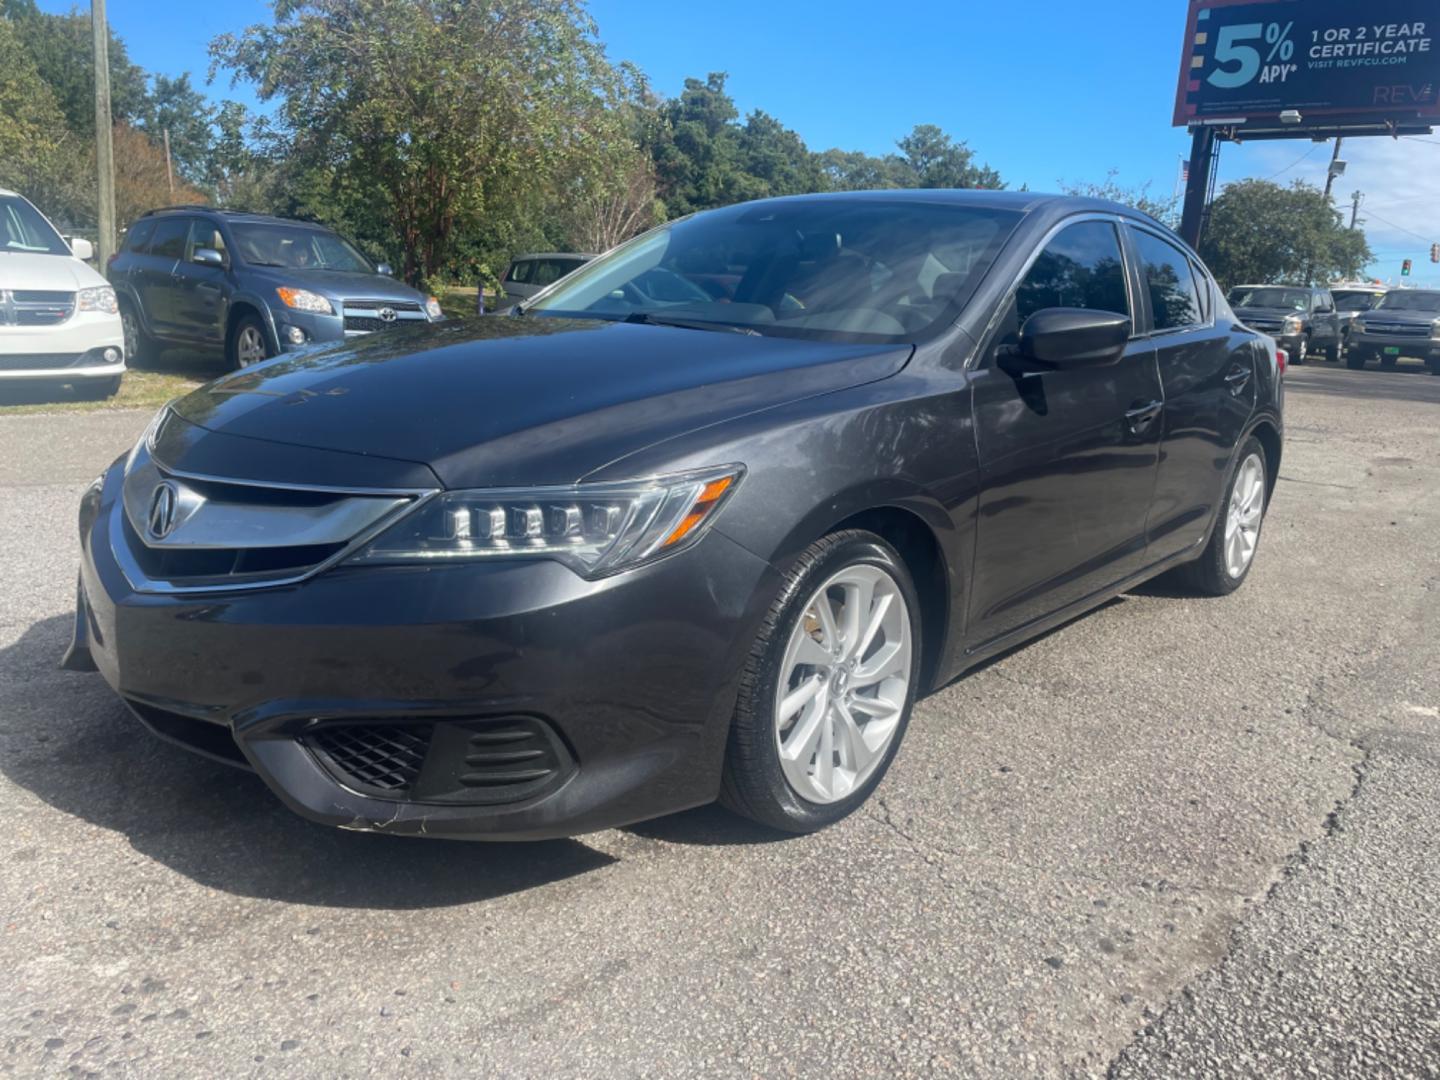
(1293, 325)
(100, 298)
(305, 300)
(595, 529)
(1435, 329)
(432, 308)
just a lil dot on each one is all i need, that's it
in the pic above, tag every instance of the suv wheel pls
(1388, 360)
(139, 346)
(826, 695)
(1332, 351)
(1302, 350)
(248, 344)
(1354, 358)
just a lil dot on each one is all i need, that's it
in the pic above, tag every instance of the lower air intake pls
(500, 760)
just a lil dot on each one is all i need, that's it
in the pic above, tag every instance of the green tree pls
(39, 156)
(174, 105)
(1259, 231)
(1163, 210)
(431, 126)
(62, 49)
(934, 160)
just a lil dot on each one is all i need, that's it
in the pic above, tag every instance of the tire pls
(1211, 574)
(1332, 352)
(1354, 359)
(1434, 364)
(247, 344)
(140, 347)
(1302, 352)
(98, 389)
(1388, 361)
(790, 794)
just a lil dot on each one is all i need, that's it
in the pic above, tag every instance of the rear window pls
(520, 271)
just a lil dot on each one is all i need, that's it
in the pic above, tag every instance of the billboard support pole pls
(1197, 187)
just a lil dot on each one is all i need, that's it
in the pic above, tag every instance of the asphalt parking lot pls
(1174, 838)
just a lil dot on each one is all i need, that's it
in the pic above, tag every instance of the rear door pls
(1209, 390)
(200, 291)
(154, 279)
(1327, 320)
(1068, 457)
(517, 280)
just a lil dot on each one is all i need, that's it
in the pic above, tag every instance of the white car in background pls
(58, 318)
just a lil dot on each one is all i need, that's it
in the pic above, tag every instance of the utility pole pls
(104, 149)
(1355, 207)
(1197, 188)
(1330, 176)
(169, 170)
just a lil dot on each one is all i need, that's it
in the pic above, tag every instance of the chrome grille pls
(1396, 329)
(35, 307)
(179, 532)
(366, 316)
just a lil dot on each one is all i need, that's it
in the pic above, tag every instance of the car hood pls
(504, 401)
(1269, 312)
(336, 284)
(58, 273)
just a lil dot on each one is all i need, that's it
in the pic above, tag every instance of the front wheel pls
(1388, 361)
(1332, 351)
(826, 694)
(1225, 563)
(1302, 350)
(248, 344)
(139, 346)
(1354, 358)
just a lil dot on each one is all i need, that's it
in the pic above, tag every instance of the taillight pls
(1281, 359)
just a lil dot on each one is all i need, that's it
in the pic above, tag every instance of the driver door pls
(1067, 457)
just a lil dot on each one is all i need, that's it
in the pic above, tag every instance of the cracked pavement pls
(1176, 837)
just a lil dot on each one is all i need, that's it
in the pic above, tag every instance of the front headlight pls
(595, 529)
(305, 300)
(1293, 325)
(100, 298)
(432, 308)
(1435, 329)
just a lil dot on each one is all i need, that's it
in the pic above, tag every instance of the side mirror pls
(385, 268)
(1074, 337)
(82, 249)
(207, 257)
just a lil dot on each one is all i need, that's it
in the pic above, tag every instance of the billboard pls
(1328, 59)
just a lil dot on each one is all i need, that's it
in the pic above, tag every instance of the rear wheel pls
(139, 346)
(1226, 560)
(826, 694)
(248, 344)
(1354, 358)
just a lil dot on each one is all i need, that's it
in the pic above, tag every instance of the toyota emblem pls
(164, 508)
(387, 314)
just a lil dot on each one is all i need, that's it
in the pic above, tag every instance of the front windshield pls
(1355, 301)
(1410, 301)
(1289, 299)
(299, 247)
(837, 269)
(24, 231)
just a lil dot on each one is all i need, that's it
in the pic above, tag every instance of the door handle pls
(1139, 419)
(1237, 378)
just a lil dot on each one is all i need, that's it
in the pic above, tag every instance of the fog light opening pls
(112, 355)
(294, 335)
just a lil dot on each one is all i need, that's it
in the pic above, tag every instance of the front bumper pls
(1423, 348)
(71, 351)
(634, 676)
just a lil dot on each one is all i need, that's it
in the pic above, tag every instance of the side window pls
(1174, 300)
(169, 240)
(1081, 267)
(1202, 279)
(1323, 303)
(548, 270)
(137, 239)
(520, 271)
(205, 235)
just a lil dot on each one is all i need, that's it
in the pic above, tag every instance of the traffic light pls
(1405, 268)
(1435, 252)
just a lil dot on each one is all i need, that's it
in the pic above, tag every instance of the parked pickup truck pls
(1302, 318)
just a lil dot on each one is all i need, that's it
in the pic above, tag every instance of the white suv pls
(58, 317)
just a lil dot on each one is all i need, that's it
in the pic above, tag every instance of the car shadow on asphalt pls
(67, 739)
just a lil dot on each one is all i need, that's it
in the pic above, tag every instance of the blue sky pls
(1043, 91)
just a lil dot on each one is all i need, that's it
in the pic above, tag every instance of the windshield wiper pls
(651, 319)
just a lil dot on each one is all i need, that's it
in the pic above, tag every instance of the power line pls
(1297, 161)
(1402, 228)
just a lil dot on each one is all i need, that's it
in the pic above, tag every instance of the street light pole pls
(1355, 207)
(1330, 176)
(104, 148)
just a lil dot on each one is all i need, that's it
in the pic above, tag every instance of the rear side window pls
(520, 271)
(1174, 299)
(1202, 280)
(169, 239)
(1323, 303)
(548, 270)
(1081, 267)
(137, 240)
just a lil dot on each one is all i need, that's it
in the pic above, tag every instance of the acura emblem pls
(387, 314)
(164, 502)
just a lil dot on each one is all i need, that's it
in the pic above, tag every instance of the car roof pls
(1276, 285)
(240, 216)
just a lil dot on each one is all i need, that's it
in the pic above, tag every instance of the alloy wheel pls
(1242, 521)
(249, 346)
(130, 332)
(844, 682)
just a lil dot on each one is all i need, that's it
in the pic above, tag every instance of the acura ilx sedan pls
(699, 521)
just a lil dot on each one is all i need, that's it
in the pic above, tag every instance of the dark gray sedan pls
(613, 556)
